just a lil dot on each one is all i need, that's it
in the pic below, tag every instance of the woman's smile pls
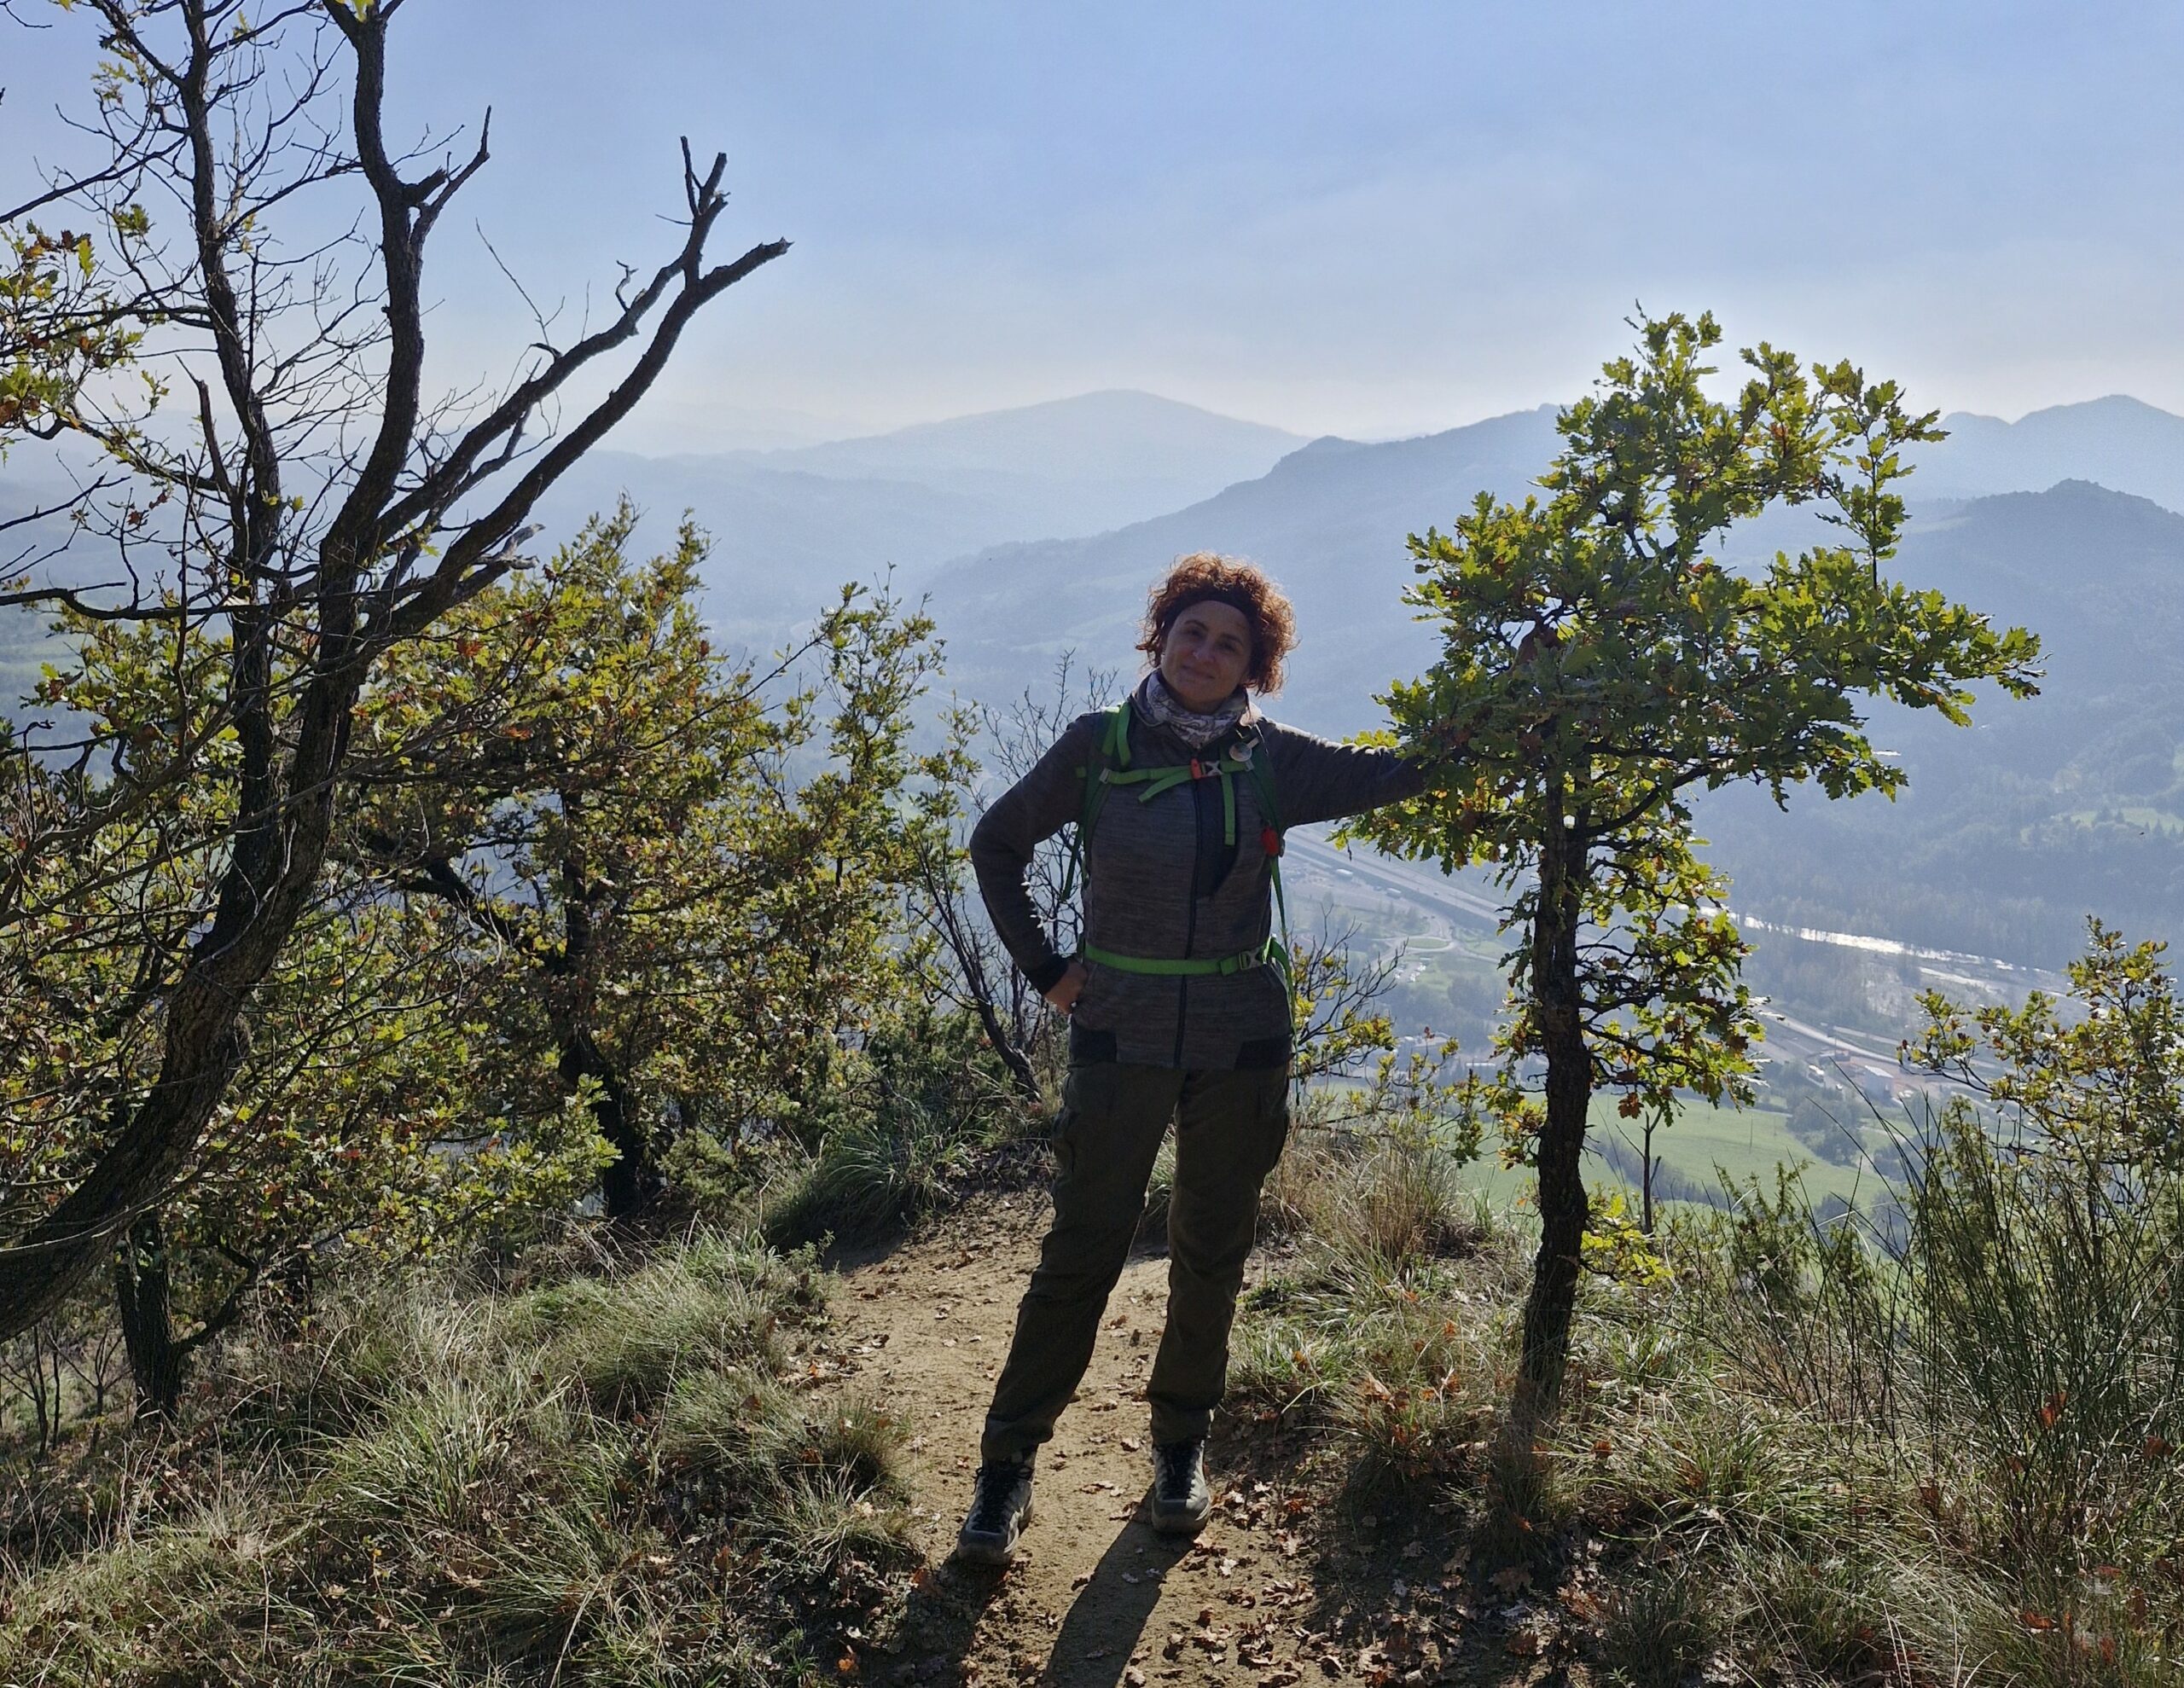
(1206, 654)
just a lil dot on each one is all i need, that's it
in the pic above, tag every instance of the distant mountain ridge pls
(1125, 480)
(2117, 441)
(789, 525)
(1118, 435)
(1329, 521)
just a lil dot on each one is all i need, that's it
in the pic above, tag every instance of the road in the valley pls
(1873, 1059)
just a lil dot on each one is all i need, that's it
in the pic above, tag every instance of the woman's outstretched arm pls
(1317, 780)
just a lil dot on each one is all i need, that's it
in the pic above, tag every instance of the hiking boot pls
(1001, 1505)
(1180, 1501)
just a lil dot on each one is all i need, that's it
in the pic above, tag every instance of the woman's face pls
(1203, 657)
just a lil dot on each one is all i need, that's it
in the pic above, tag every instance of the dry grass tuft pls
(613, 1478)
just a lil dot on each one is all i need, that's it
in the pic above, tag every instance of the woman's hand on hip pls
(1063, 992)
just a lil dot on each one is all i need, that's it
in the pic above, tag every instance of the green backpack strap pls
(1113, 752)
(1270, 840)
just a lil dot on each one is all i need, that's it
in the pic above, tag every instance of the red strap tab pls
(1198, 769)
(1269, 841)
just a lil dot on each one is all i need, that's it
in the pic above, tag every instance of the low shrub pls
(895, 1136)
(1383, 1328)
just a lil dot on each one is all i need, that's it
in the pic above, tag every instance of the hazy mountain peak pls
(1329, 445)
(1119, 433)
(789, 522)
(2117, 441)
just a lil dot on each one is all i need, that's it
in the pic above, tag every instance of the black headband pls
(1230, 595)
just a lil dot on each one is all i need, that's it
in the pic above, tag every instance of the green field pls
(1747, 1143)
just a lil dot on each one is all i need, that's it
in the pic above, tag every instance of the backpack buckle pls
(1269, 841)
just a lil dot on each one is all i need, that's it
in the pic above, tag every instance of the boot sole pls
(1180, 1523)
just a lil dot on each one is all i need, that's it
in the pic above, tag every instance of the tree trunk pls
(1018, 1065)
(1563, 1207)
(143, 1292)
(205, 1042)
(631, 1180)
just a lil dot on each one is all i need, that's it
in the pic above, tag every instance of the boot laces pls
(1177, 1462)
(994, 1494)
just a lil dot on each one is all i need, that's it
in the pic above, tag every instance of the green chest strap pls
(1112, 768)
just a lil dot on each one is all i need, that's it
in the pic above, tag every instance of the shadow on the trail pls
(1093, 1647)
(1104, 1623)
(940, 1620)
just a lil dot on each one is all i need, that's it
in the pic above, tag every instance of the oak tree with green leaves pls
(686, 873)
(57, 329)
(1601, 668)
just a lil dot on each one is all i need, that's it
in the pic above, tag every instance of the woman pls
(1179, 1007)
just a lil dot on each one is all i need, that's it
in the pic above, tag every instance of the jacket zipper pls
(1190, 920)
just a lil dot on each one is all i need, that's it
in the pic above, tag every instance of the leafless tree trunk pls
(977, 974)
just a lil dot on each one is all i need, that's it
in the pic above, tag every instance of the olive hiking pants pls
(1230, 1130)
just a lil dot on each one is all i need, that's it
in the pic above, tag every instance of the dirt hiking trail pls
(1283, 1586)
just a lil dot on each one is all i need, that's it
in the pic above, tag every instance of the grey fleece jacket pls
(1160, 881)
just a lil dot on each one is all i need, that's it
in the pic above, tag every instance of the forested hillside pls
(2064, 805)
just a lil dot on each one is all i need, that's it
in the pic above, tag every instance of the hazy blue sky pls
(1370, 218)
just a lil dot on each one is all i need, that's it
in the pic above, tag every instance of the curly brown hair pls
(1232, 581)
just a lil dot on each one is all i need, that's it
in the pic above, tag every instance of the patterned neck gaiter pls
(1156, 703)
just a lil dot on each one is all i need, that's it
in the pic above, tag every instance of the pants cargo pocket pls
(1272, 1135)
(1088, 1107)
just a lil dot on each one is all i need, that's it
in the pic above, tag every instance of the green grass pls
(1707, 1519)
(1747, 1143)
(617, 1476)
